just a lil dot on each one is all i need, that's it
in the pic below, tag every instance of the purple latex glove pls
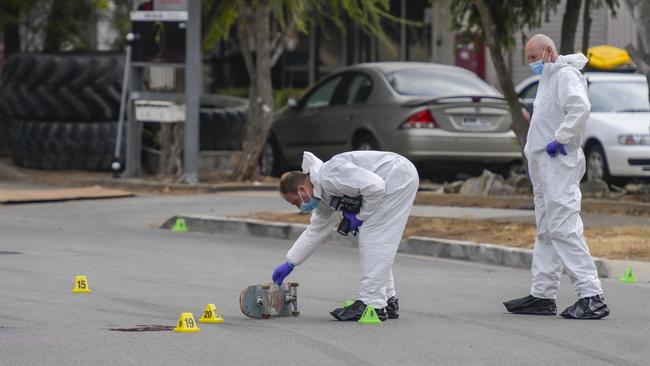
(281, 272)
(554, 147)
(354, 222)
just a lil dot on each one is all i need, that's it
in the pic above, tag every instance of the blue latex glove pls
(554, 147)
(281, 272)
(354, 222)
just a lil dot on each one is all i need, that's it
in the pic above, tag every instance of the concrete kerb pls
(491, 254)
(180, 187)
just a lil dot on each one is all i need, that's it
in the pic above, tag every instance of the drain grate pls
(9, 252)
(145, 328)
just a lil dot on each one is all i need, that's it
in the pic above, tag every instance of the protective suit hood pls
(311, 165)
(577, 61)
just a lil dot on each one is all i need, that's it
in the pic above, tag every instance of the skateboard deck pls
(267, 300)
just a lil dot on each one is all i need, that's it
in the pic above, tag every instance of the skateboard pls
(269, 300)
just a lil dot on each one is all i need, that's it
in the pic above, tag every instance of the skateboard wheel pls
(266, 287)
(266, 316)
(294, 284)
(295, 313)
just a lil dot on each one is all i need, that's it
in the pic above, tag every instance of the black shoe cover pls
(354, 312)
(593, 307)
(392, 308)
(531, 305)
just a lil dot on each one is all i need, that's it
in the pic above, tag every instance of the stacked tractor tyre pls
(64, 111)
(63, 108)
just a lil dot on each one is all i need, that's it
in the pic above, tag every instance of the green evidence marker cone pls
(347, 303)
(628, 276)
(369, 316)
(179, 226)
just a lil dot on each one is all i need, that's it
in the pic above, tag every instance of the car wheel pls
(597, 164)
(365, 142)
(270, 161)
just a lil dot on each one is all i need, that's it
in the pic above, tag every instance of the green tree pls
(261, 26)
(12, 12)
(69, 24)
(496, 22)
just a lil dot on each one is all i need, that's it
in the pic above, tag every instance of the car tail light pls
(634, 139)
(421, 119)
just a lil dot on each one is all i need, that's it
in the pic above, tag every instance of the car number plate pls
(475, 122)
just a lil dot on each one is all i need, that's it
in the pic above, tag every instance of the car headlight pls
(634, 139)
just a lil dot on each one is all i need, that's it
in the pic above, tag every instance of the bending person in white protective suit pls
(556, 165)
(385, 184)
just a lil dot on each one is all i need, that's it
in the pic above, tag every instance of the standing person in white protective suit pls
(556, 165)
(386, 184)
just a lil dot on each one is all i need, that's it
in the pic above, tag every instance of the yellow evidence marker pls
(211, 315)
(186, 324)
(81, 285)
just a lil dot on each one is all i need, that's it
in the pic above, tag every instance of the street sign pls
(159, 111)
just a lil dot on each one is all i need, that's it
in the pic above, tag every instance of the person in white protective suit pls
(556, 165)
(386, 184)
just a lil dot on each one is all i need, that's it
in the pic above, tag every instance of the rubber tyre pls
(271, 161)
(365, 142)
(223, 122)
(596, 162)
(63, 145)
(66, 87)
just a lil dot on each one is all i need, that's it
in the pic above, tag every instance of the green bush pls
(281, 96)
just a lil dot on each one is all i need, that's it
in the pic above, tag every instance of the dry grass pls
(628, 242)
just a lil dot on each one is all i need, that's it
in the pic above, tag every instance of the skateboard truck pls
(268, 300)
(291, 297)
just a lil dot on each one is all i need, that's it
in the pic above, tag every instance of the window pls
(432, 82)
(619, 96)
(529, 93)
(355, 88)
(322, 96)
(360, 88)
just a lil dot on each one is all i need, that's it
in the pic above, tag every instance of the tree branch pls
(638, 58)
(277, 45)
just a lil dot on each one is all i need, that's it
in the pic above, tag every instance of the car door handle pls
(349, 117)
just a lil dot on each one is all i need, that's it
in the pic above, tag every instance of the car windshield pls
(619, 96)
(427, 82)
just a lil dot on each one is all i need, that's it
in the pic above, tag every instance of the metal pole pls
(193, 88)
(117, 164)
(403, 38)
(133, 128)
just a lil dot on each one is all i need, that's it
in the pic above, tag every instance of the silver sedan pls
(437, 116)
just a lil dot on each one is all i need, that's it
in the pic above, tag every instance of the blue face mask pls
(537, 67)
(309, 206)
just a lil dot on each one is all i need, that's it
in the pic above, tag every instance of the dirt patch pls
(629, 242)
(525, 202)
(147, 184)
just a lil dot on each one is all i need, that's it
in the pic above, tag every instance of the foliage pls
(64, 25)
(510, 16)
(368, 14)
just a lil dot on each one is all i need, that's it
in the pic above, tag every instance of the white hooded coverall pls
(560, 112)
(388, 183)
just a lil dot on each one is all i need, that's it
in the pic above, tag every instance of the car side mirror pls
(292, 103)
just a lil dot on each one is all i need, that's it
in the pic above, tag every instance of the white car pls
(617, 135)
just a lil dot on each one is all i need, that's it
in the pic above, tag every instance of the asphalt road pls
(142, 275)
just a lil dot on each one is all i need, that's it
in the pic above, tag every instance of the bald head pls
(536, 46)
